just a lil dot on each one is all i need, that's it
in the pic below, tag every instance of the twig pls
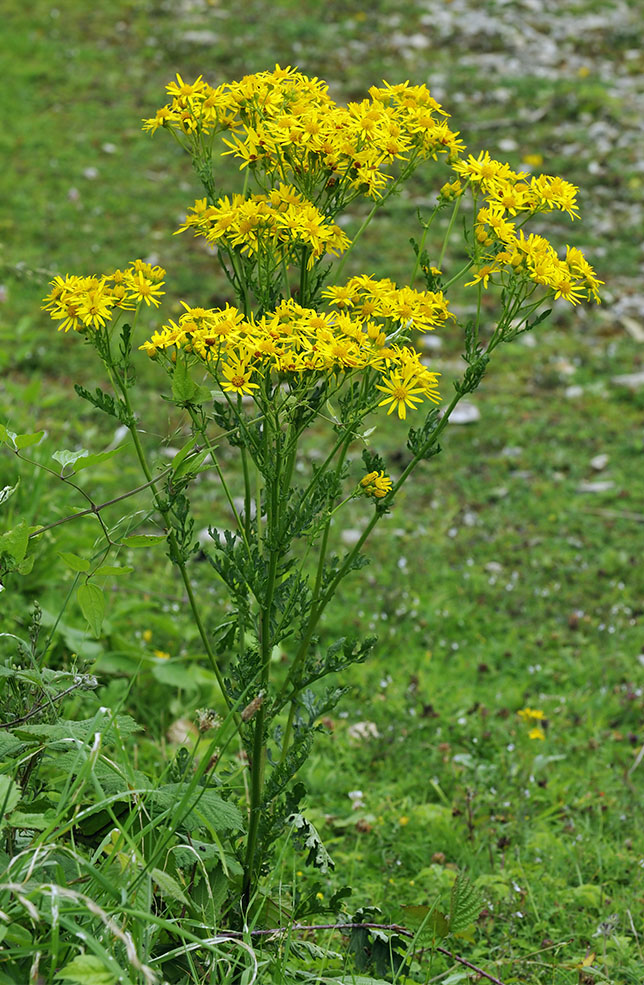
(360, 926)
(87, 682)
(101, 506)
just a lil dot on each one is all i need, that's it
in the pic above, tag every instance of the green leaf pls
(83, 730)
(26, 440)
(143, 540)
(465, 904)
(168, 886)
(65, 458)
(30, 822)
(307, 837)
(183, 388)
(74, 562)
(92, 602)
(181, 454)
(10, 794)
(432, 920)
(7, 492)
(209, 811)
(113, 569)
(174, 673)
(8, 437)
(191, 464)
(14, 542)
(87, 969)
(102, 456)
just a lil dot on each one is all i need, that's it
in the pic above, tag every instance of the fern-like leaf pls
(465, 904)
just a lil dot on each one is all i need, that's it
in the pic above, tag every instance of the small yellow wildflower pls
(376, 484)
(531, 715)
(536, 733)
(161, 655)
(402, 821)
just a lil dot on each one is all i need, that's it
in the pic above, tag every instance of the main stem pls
(258, 760)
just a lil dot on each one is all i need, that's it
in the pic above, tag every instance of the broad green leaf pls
(432, 920)
(87, 969)
(30, 822)
(10, 794)
(27, 440)
(209, 811)
(87, 460)
(168, 886)
(14, 542)
(113, 569)
(84, 730)
(143, 540)
(174, 673)
(183, 388)
(92, 602)
(65, 458)
(7, 492)
(74, 562)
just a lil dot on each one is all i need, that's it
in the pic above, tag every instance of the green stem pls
(172, 542)
(421, 246)
(450, 226)
(258, 762)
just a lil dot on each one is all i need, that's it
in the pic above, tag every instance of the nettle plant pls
(302, 354)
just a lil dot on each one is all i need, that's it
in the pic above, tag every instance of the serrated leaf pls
(7, 492)
(306, 836)
(168, 886)
(83, 730)
(92, 602)
(209, 811)
(87, 969)
(27, 440)
(465, 904)
(143, 540)
(74, 562)
(14, 542)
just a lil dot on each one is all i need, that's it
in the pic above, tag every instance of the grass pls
(497, 583)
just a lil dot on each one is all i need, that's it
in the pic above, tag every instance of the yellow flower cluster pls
(371, 298)
(509, 195)
(89, 302)
(274, 225)
(284, 120)
(376, 485)
(535, 258)
(292, 341)
(509, 190)
(531, 715)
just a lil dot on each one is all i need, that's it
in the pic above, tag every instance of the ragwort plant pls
(302, 354)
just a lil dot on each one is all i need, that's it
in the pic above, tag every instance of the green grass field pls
(509, 575)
